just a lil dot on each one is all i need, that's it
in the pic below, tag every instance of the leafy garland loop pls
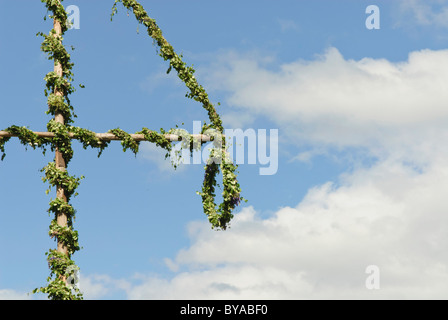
(61, 265)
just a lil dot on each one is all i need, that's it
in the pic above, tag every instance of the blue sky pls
(362, 170)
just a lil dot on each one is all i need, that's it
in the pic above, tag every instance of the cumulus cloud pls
(389, 216)
(368, 91)
(97, 286)
(392, 214)
(385, 107)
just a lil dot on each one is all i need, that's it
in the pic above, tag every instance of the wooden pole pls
(61, 218)
(111, 136)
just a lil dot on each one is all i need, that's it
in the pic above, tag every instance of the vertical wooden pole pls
(61, 218)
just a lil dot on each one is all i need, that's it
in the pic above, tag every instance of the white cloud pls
(98, 286)
(389, 215)
(425, 12)
(392, 214)
(376, 104)
(237, 120)
(288, 25)
(94, 286)
(372, 92)
(8, 294)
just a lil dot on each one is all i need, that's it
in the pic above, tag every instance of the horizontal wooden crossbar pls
(111, 136)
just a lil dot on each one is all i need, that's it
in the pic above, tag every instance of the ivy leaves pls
(57, 177)
(88, 139)
(2, 147)
(26, 137)
(126, 140)
(61, 267)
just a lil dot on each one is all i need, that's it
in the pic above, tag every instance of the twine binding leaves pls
(61, 265)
